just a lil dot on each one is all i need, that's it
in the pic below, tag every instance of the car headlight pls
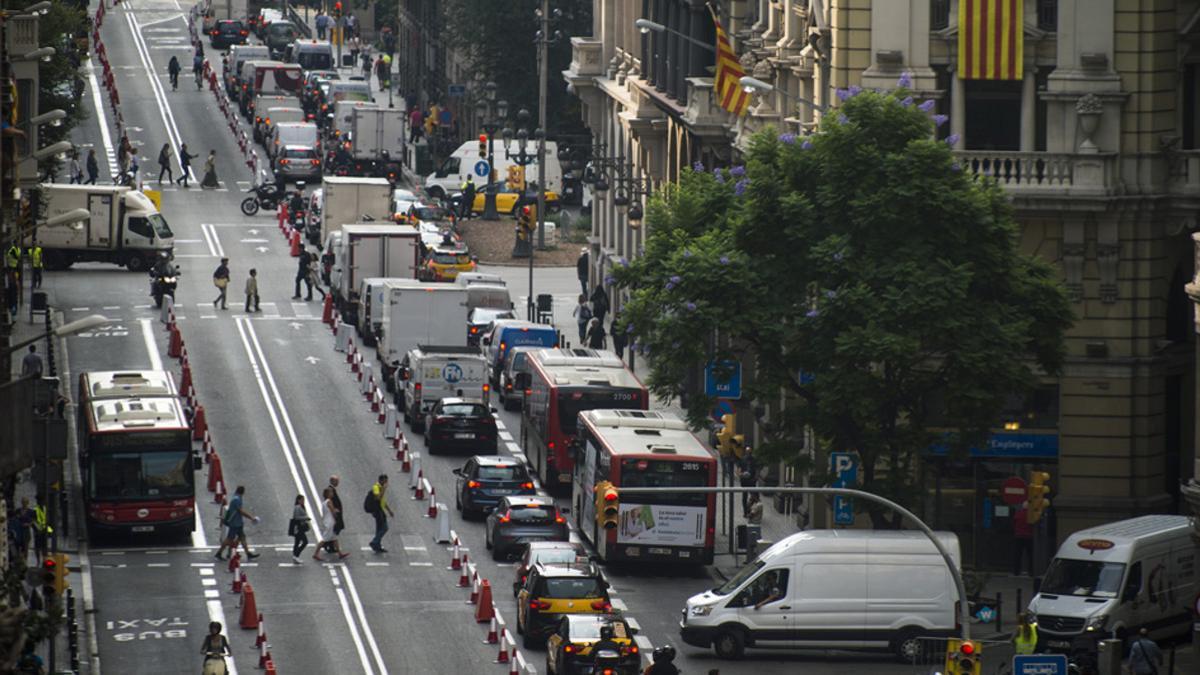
(1096, 623)
(700, 610)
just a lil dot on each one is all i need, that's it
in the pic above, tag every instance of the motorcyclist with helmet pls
(296, 206)
(662, 662)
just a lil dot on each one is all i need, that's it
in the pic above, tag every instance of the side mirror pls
(494, 409)
(457, 472)
(486, 342)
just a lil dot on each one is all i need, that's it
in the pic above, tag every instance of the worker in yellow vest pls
(41, 529)
(12, 259)
(1025, 638)
(35, 262)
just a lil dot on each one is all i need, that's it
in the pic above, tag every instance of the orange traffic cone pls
(327, 311)
(235, 561)
(484, 610)
(219, 497)
(175, 344)
(185, 377)
(283, 218)
(199, 424)
(239, 581)
(295, 244)
(214, 473)
(249, 618)
(262, 632)
(270, 668)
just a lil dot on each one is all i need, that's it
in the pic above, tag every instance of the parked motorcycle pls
(264, 196)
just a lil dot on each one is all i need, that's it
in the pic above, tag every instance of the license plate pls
(659, 551)
(1061, 644)
(464, 435)
(503, 492)
(143, 528)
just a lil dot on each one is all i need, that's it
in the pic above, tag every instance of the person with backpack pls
(1143, 653)
(298, 529)
(235, 523)
(376, 504)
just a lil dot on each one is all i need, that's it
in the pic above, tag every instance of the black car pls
(460, 424)
(480, 319)
(228, 32)
(517, 521)
(484, 480)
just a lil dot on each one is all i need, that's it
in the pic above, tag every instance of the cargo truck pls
(432, 372)
(418, 313)
(376, 141)
(350, 199)
(124, 227)
(369, 250)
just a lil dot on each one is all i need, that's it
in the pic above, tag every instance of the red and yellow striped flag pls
(991, 42)
(727, 86)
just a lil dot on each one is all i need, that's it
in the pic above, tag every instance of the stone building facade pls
(1098, 146)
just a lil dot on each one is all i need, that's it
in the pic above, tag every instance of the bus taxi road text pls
(131, 629)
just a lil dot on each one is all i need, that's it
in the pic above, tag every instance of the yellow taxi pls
(554, 591)
(443, 263)
(506, 201)
(569, 648)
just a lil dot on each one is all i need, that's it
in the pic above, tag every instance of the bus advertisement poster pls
(662, 525)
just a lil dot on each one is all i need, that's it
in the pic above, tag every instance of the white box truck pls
(377, 137)
(448, 178)
(124, 227)
(432, 372)
(369, 250)
(418, 313)
(1114, 579)
(351, 199)
(832, 589)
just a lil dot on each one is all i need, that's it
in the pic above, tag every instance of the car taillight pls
(214, 33)
(245, 33)
(602, 605)
(527, 486)
(539, 605)
(487, 388)
(285, 161)
(559, 520)
(569, 649)
(473, 484)
(632, 649)
(311, 116)
(506, 518)
(527, 392)
(315, 162)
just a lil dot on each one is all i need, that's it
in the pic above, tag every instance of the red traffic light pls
(337, 6)
(49, 564)
(610, 497)
(967, 648)
(483, 138)
(524, 210)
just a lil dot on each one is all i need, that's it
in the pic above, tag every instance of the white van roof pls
(883, 542)
(1117, 540)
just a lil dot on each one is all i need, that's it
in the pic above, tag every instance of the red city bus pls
(639, 448)
(563, 383)
(135, 454)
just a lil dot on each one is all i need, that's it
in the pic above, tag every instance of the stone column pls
(1029, 109)
(958, 108)
(764, 9)
(772, 33)
(791, 27)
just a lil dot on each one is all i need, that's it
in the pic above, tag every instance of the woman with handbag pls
(298, 529)
(221, 281)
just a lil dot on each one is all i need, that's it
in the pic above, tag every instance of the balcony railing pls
(1044, 172)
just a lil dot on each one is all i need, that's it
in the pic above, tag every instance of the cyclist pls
(173, 68)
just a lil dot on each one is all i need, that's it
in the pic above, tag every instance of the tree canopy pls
(860, 273)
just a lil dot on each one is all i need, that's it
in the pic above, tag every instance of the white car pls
(402, 201)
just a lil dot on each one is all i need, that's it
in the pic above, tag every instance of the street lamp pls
(753, 85)
(646, 25)
(52, 149)
(76, 326)
(43, 53)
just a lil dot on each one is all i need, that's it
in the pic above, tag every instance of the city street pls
(285, 414)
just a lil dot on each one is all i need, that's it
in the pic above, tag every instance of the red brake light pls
(417, 387)
(315, 162)
(245, 33)
(527, 486)
(527, 391)
(559, 520)
(473, 484)
(633, 649)
(569, 649)
(474, 329)
(507, 517)
(487, 388)
(601, 605)
(285, 161)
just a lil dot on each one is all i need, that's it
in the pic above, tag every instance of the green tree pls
(860, 272)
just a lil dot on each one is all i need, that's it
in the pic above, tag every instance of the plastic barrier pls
(249, 617)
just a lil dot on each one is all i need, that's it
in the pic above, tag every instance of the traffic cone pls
(175, 343)
(397, 443)
(295, 244)
(505, 638)
(207, 448)
(473, 599)
(492, 635)
(264, 655)
(420, 495)
(270, 668)
(235, 562)
(463, 580)
(215, 475)
(375, 400)
(484, 610)
(282, 211)
(431, 512)
(262, 632)
(199, 424)
(219, 497)
(455, 558)
(327, 312)
(239, 578)
(514, 667)
(249, 618)
(185, 378)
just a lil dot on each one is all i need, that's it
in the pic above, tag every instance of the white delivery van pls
(1114, 579)
(417, 313)
(304, 134)
(832, 589)
(448, 178)
(488, 295)
(468, 278)
(432, 372)
(370, 314)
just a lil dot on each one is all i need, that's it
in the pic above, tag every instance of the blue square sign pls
(1040, 664)
(724, 384)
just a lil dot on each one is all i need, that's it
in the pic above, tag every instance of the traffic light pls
(61, 581)
(483, 143)
(963, 657)
(725, 435)
(516, 178)
(527, 218)
(608, 505)
(337, 10)
(1036, 493)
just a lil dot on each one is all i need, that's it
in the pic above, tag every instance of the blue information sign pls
(727, 383)
(845, 471)
(482, 168)
(1040, 664)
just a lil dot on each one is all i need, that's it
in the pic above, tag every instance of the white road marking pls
(506, 436)
(98, 104)
(151, 345)
(158, 564)
(160, 96)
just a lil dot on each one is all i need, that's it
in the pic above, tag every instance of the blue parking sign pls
(844, 467)
(1040, 664)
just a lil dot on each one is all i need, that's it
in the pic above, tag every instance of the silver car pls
(297, 162)
(520, 520)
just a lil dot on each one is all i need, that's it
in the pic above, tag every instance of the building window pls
(993, 115)
(1047, 15)
(939, 14)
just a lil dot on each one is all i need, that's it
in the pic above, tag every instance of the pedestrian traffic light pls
(963, 657)
(725, 434)
(483, 143)
(1036, 492)
(608, 505)
(61, 581)
(516, 178)
(337, 10)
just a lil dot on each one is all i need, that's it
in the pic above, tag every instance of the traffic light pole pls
(964, 611)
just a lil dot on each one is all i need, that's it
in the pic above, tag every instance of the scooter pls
(606, 662)
(163, 285)
(264, 196)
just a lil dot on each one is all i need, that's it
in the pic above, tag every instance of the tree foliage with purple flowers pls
(862, 274)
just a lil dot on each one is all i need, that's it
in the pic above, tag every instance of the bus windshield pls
(663, 473)
(571, 403)
(151, 475)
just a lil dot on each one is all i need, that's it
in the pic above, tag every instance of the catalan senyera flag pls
(727, 87)
(991, 42)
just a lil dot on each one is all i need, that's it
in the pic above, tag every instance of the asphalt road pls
(285, 414)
